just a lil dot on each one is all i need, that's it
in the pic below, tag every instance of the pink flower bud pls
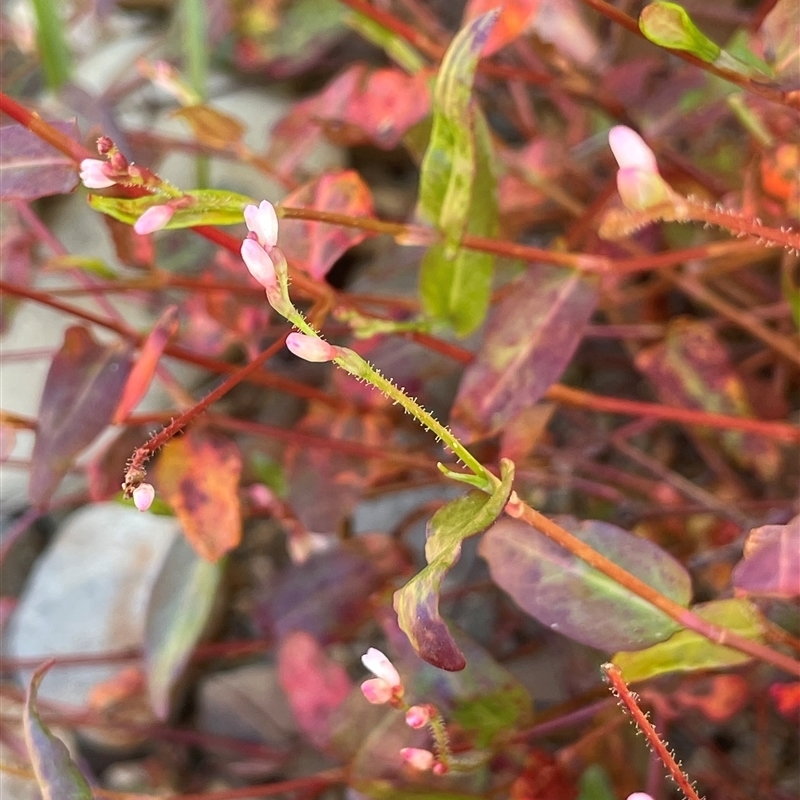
(630, 149)
(260, 265)
(377, 663)
(93, 174)
(154, 219)
(143, 496)
(313, 349)
(417, 758)
(418, 716)
(263, 222)
(639, 796)
(377, 691)
(639, 182)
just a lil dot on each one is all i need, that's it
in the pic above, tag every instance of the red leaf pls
(16, 245)
(315, 684)
(198, 475)
(30, 168)
(530, 339)
(376, 106)
(315, 247)
(786, 697)
(515, 18)
(771, 563)
(145, 366)
(294, 137)
(82, 389)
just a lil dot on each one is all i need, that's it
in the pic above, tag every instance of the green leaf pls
(94, 266)
(687, 651)
(458, 187)
(56, 773)
(398, 49)
(456, 289)
(489, 715)
(595, 784)
(668, 25)
(178, 615)
(52, 43)
(417, 603)
(203, 207)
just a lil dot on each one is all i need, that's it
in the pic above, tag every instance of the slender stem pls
(645, 726)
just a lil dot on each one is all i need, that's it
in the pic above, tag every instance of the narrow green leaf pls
(203, 207)
(51, 43)
(448, 168)
(456, 289)
(56, 773)
(399, 50)
(417, 603)
(687, 651)
(178, 615)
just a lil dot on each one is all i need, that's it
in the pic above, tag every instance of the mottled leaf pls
(202, 207)
(771, 563)
(315, 247)
(31, 168)
(455, 286)
(687, 651)
(198, 475)
(328, 590)
(417, 603)
(56, 773)
(145, 367)
(314, 683)
(515, 18)
(570, 597)
(530, 338)
(179, 612)
(82, 389)
(375, 106)
(691, 368)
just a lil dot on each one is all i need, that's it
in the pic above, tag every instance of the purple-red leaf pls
(530, 338)
(564, 593)
(198, 475)
(82, 390)
(315, 247)
(30, 168)
(417, 603)
(771, 563)
(145, 366)
(691, 368)
(55, 771)
(315, 685)
(363, 105)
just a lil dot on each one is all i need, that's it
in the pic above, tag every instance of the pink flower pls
(154, 219)
(417, 758)
(259, 263)
(377, 691)
(313, 349)
(418, 716)
(386, 685)
(143, 496)
(639, 182)
(93, 174)
(639, 796)
(263, 222)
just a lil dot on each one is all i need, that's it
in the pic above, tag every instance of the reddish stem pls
(645, 726)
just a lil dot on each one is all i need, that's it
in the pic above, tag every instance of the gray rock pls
(88, 594)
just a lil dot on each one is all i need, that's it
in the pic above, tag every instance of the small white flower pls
(313, 349)
(380, 666)
(639, 182)
(377, 691)
(418, 758)
(93, 174)
(258, 262)
(263, 222)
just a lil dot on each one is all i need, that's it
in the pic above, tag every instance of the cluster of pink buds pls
(639, 182)
(96, 173)
(262, 224)
(387, 688)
